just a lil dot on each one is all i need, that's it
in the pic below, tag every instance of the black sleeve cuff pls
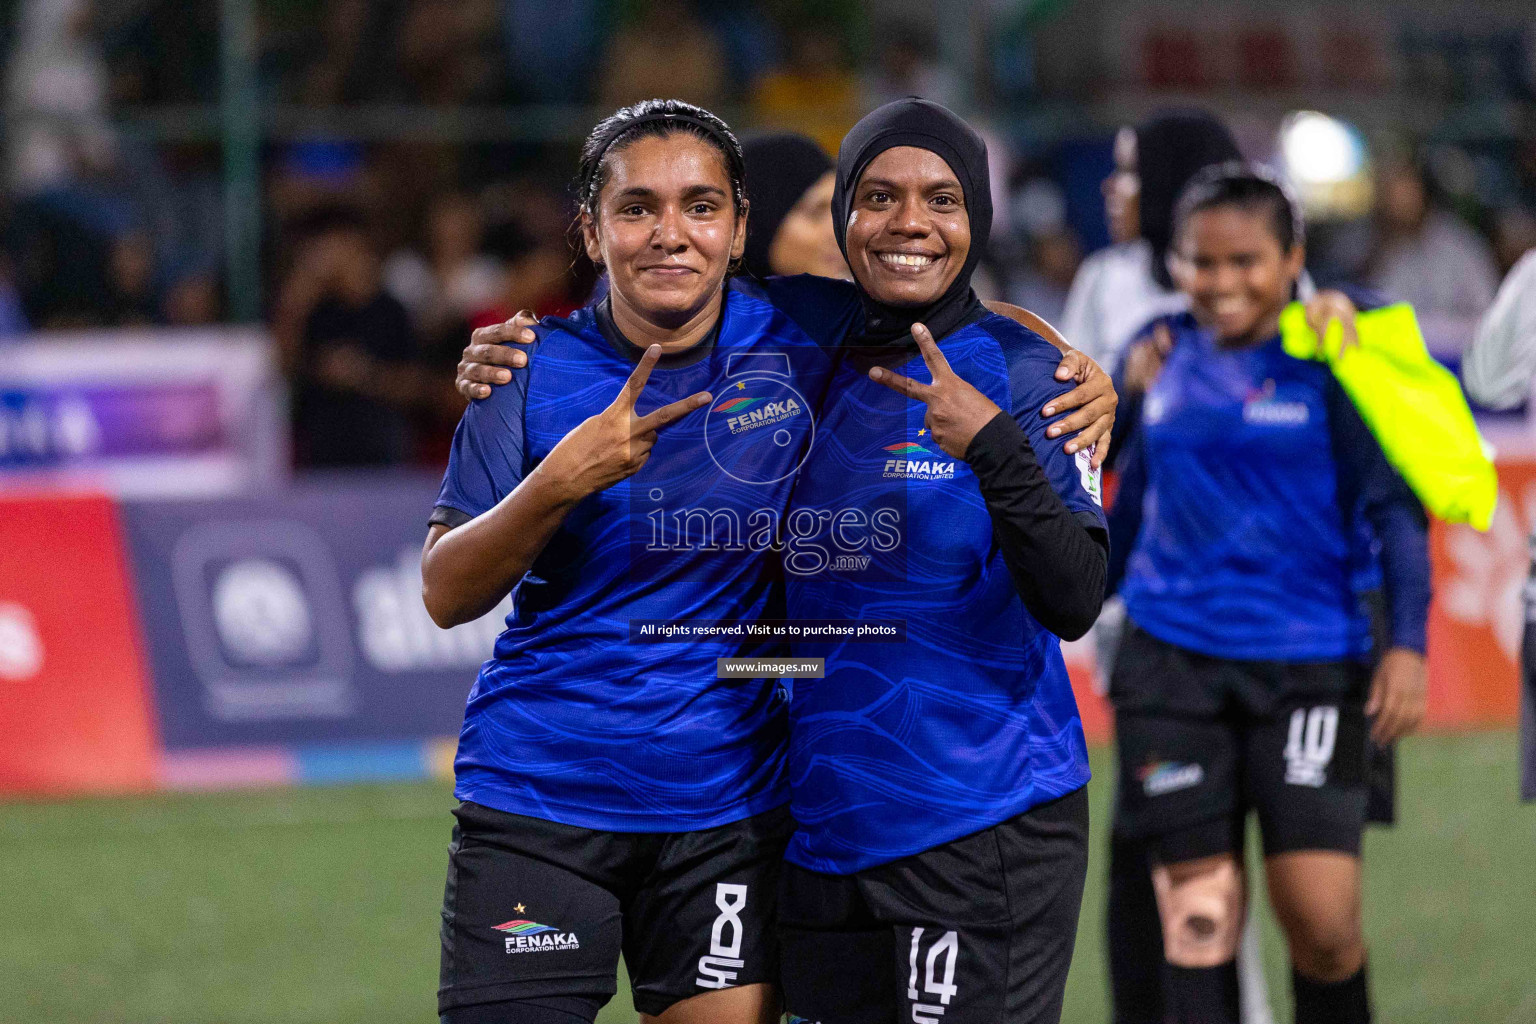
(1095, 528)
(447, 515)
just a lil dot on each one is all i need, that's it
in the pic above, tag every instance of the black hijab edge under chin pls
(923, 125)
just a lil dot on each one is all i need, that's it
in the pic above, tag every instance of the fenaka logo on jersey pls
(1262, 408)
(1169, 777)
(745, 412)
(523, 936)
(910, 460)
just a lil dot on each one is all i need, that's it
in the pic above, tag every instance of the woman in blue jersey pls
(1117, 301)
(937, 782)
(1242, 683)
(616, 794)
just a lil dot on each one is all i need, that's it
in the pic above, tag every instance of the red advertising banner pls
(1098, 717)
(1476, 622)
(74, 692)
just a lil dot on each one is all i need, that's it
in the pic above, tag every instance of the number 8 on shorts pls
(718, 968)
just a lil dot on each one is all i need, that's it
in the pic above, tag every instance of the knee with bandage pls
(1201, 906)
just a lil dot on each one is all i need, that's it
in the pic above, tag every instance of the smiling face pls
(665, 227)
(908, 228)
(1230, 263)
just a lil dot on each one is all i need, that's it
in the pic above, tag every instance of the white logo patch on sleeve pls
(1089, 476)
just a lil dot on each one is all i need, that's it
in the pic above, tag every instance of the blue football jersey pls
(575, 719)
(970, 720)
(1244, 549)
(1366, 574)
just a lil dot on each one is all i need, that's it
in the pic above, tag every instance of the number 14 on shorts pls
(936, 971)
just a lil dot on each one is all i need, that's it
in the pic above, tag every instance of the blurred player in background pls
(1242, 681)
(350, 348)
(1119, 292)
(790, 230)
(1499, 369)
(1120, 289)
(937, 785)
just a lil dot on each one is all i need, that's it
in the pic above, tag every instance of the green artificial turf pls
(320, 905)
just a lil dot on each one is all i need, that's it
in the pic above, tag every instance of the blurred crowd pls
(379, 256)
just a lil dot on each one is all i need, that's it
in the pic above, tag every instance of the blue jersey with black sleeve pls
(970, 720)
(1255, 473)
(574, 720)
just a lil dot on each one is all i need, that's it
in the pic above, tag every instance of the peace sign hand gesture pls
(956, 411)
(613, 444)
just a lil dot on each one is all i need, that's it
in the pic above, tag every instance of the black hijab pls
(780, 168)
(1171, 148)
(925, 125)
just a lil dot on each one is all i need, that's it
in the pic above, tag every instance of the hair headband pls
(728, 145)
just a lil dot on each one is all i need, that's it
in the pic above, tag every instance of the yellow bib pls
(1412, 404)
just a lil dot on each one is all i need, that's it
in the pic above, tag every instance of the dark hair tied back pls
(656, 119)
(1243, 185)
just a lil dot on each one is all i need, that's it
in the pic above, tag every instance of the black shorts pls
(535, 909)
(977, 930)
(1202, 741)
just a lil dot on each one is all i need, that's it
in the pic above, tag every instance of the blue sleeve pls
(1032, 384)
(1122, 435)
(1369, 485)
(825, 309)
(488, 457)
(1125, 512)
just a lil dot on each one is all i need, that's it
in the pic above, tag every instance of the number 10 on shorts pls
(942, 957)
(719, 968)
(1309, 745)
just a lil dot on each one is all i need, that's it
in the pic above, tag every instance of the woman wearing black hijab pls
(1120, 289)
(937, 782)
(790, 182)
(1171, 148)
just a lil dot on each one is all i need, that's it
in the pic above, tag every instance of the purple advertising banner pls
(143, 413)
(48, 425)
(296, 618)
